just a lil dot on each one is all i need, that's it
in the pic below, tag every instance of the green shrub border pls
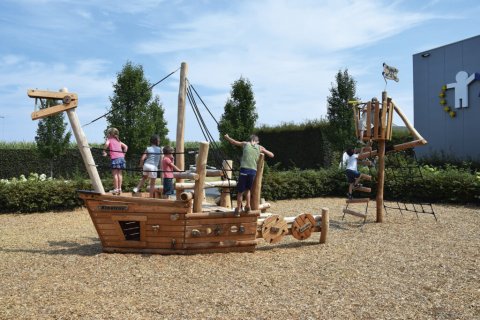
(446, 185)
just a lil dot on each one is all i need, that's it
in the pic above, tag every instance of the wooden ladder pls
(358, 200)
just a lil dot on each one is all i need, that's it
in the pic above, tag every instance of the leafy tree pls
(134, 112)
(52, 140)
(239, 117)
(340, 114)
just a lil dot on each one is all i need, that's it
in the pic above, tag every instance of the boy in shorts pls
(248, 168)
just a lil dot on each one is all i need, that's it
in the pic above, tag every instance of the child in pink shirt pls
(168, 167)
(117, 155)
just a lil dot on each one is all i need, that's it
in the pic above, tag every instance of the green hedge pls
(449, 185)
(40, 196)
(303, 146)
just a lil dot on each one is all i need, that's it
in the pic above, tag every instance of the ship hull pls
(145, 225)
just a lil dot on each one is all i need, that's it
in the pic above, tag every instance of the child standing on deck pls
(248, 168)
(117, 150)
(168, 167)
(150, 162)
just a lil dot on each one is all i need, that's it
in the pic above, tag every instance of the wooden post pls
(182, 92)
(256, 191)
(368, 130)
(376, 119)
(357, 121)
(325, 225)
(199, 184)
(85, 151)
(381, 170)
(225, 200)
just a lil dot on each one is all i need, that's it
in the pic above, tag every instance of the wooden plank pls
(165, 234)
(221, 250)
(368, 131)
(177, 248)
(223, 214)
(217, 239)
(103, 220)
(114, 237)
(375, 119)
(50, 111)
(225, 229)
(143, 230)
(210, 184)
(358, 200)
(165, 222)
(384, 117)
(152, 239)
(128, 217)
(222, 244)
(164, 228)
(103, 226)
(241, 219)
(55, 95)
(357, 121)
(408, 145)
(354, 213)
(107, 232)
(150, 216)
(363, 189)
(162, 249)
(100, 208)
(390, 120)
(89, 195)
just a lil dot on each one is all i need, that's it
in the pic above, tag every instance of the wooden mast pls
(381, 166)
(182, 92)
(85, 151)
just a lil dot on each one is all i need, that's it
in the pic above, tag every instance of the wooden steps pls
(355, 213)
(358, 200)
(362, 189)
(366, 177)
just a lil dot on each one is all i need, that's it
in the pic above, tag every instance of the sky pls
(289, 50)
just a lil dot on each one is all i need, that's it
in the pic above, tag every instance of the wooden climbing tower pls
(374, 122)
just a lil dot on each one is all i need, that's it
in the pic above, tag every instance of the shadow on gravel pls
(65, 248)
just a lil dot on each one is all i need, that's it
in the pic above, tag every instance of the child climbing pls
(150, 162)
(168, 168)
(117, 150)
(248, 168)
(352, 173)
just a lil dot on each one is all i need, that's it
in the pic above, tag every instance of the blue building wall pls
(458, 137)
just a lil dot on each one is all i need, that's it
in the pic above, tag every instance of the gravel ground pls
(52, 267)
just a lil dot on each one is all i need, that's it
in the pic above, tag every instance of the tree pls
(52, 140)
(340, 114)
(240, 115)
(135, 113)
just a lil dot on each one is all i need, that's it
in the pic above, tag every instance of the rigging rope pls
(113, 109)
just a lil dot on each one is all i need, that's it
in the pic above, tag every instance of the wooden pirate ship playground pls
(186, 224)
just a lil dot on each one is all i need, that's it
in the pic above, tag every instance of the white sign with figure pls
(461, 88)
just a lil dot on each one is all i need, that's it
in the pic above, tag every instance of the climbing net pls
(403, 178)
